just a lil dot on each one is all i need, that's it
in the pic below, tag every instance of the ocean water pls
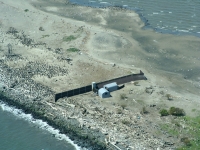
(166, 16)
(20, 131)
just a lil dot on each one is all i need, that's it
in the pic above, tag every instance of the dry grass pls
(123, 96)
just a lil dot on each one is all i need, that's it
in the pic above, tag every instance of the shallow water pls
(172, 16)
(20, 131)
(175, 54)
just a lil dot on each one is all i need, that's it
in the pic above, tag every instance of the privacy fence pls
(88, 88)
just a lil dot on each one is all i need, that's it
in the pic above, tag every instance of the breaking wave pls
(38, 123)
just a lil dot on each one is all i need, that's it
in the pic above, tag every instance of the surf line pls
(38, 122)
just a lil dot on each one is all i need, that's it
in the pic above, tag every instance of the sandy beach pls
(47, 47)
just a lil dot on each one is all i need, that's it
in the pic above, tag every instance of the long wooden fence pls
(88, 88)
(124, 79)
(73, 92)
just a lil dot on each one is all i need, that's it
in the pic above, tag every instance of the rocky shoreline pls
(40, 109)
(86, 122)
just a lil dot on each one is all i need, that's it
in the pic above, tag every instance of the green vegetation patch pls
(43, 36)
(169, 129)
(169, 96)
(191, 133)
(68, 38)
(193, 110)
(186, 141)
(176, 111)
(164, 112)
(26, 10)
(73, 49)
(144, 110)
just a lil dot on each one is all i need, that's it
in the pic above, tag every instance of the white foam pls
(38, 122)
(155, 13)
(104, 3)
(183, 30)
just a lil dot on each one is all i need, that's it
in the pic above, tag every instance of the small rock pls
(41, 28)
(152, 105)
(168, 143)
(149, 91)
(2, 87)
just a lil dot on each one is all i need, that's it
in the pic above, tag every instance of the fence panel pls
(120, 80)
(73, 92)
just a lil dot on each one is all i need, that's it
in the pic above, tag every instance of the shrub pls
(136, 83)
(144, 111)
(164, 112)
(186, 141)
(43, 36)
(69, 38)
(176, 111)
(169, 96)
(123, 96)
(96, 109)
(73, 50)
(177, 124)
(119, 111)
(126, 122)
(26, 10)
(41, 28)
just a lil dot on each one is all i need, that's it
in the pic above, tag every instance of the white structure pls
(111, 87)
(103, 93)
(93, 86)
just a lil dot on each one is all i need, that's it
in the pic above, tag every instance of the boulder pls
(2, 87)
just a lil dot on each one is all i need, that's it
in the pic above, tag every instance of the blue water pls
(167, 16)
(20, 131)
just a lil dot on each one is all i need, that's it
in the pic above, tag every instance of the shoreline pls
(72, 130)
(146, 26)
(54, 53)
(37, 123)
